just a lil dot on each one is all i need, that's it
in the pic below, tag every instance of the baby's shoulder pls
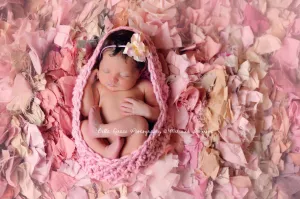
(145, 84)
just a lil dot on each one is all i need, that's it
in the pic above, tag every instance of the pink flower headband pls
(135, 49)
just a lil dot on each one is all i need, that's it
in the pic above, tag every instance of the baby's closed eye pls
(105, 70)
(124, 75)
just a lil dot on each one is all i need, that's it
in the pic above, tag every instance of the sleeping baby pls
(120, 105)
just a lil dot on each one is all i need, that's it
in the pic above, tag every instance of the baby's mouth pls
(111, 85)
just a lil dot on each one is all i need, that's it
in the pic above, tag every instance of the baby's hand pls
(134, 107)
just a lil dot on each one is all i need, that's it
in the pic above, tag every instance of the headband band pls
(111, 46)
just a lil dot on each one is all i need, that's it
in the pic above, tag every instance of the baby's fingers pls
(130, 100)
(126, 111)
(126, 104)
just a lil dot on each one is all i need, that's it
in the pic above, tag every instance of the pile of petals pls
(234, 76)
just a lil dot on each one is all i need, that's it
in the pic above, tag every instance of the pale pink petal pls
(189, 98)
(5, 66)
(287, 57)
(67, 84)
(295, 157)
(197, 34)
(180, 194)
(232, 153)
(193, 148)
(164, 15)
(186, 178)
(256, 20)
(39, 43)
(208, 80)
(28, 187)
(209, 162)
(5, 90)
(22, 94)
(296, 27)
(289, 184)
(3, 185)
(66, 146)
(231, 136)
(280, 3)
(77, 192)
(281, 20)
(211, 48)
(34, 137)
(178, 85)
(223, 176)
(5, 118)
(112, 3)
(169, 162)
(61, 182)
(244, 71)
(181, 117)
(36, 61)
(167, 38)
(62, 35)
(229, 190)
(160, 188)
(49, 100)
(139, 20)
(41, 171)
(59, 195)
(64, 119)
(179, 61)
(73, 169)
(67, 63)
(248, 37)
(266, 44)
(241, 181)
(11, 165)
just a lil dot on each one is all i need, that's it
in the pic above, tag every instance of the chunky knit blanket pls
(113, 170)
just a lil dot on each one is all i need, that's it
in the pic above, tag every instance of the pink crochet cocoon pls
(114, 170)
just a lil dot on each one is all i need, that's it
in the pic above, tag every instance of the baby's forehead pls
(108, 56)
(118, 62)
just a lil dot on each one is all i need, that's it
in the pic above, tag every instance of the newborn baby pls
(119, 105)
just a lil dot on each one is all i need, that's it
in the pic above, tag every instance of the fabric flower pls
(136, 48)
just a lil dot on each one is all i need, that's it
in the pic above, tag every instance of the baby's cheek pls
(126, 84)
(102, 78)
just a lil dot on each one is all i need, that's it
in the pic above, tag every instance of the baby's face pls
(116, 73)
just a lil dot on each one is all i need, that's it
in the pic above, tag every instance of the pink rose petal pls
(65, 146)
(232, 153)
(67, 84)
(256, 20)
(267, 44)
(61, 182)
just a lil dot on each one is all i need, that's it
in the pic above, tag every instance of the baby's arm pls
(90, 94)
(148, 108)
(153, 110)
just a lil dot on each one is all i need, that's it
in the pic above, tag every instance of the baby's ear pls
(98, 73)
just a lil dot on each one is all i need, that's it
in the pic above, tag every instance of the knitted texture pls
(114, 170)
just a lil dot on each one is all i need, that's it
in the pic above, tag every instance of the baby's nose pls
(114, 79)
